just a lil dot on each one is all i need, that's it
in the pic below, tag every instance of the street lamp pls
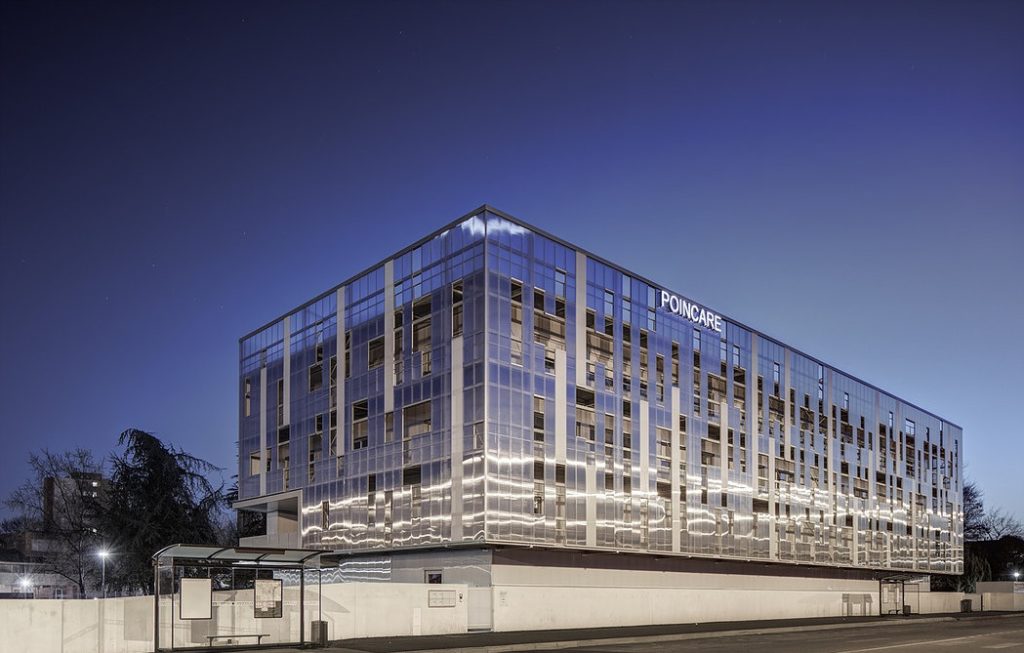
(103, 553)
(26, 585)
(1016, 575)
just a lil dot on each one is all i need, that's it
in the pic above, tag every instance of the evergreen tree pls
(157, 495)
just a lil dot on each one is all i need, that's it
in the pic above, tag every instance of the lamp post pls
(103, 566)
(26, 585)
(1016, 575)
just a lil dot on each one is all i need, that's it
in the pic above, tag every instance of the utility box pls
(318, 636)
(966, 605)
(906, 610)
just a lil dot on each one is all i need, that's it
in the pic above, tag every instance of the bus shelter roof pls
(244, 555)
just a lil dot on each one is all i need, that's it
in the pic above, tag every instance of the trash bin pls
(319, 635)
(965, 605)
(906, 610)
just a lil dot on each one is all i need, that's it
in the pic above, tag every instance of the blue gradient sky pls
(847, 177)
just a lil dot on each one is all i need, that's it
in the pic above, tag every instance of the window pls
(538, 299)
(389, 427)
(909, 427)
(399, 345)
(846, 401)
(609, 313)
(334, 380)
(890, 420)
(696, 340)
(375, 353)
(433, 577)
(421, 324)
(254, 464)
(585, 420)
(516, 330)
(348, 354)
(675, 363)
(538, 419)
(735, 355)
(316, 376)
(360, 424)
(412, 475)
(325, 515)
(280, 402)
(416, 419)
(560, 283)
(457, 309)
(333, 442)
(516, 290)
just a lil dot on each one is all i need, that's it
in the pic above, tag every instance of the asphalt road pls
(975, 635)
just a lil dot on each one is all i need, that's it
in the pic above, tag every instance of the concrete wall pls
(122, 625)
(542, 598)
(125, 625)
(393, 609)
(939, 602)
(523, 598)
(999, 601)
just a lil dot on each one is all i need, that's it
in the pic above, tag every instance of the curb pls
(678, 637)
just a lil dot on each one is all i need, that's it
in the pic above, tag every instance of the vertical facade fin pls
(581, 319)
(389, 336)
(456, 433)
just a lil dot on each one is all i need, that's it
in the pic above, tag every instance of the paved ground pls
(916, 634)
(975, 635)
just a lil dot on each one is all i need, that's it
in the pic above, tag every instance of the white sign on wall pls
(441, 599)
(691, 311)
(268, 598)
(195, 596)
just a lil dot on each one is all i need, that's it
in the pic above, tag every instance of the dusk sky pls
(845, 177)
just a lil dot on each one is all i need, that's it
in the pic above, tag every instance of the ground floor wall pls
(125, 625)
(551, 598)
(516, 596)
(119, 625)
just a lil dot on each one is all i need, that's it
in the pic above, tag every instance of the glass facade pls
(495, 385)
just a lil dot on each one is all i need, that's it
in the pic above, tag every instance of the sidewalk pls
(554, 639)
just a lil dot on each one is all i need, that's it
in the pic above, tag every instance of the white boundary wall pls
(522, 598)
(530, 598)
(125, 625)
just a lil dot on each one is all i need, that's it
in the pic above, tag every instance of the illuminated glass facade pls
(493, 384)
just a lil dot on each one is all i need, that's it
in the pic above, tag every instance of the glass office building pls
(493, 386)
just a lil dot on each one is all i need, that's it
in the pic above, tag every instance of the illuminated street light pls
(26, 585)
(103, 553)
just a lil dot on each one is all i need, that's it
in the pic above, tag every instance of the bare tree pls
(974, 513)
(58, 508)
(999, 523)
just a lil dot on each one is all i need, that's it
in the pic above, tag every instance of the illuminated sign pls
(691, 311)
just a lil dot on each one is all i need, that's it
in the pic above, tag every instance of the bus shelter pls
(208, 597)
(894, 597)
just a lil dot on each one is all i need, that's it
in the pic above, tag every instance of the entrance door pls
(479, 615)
